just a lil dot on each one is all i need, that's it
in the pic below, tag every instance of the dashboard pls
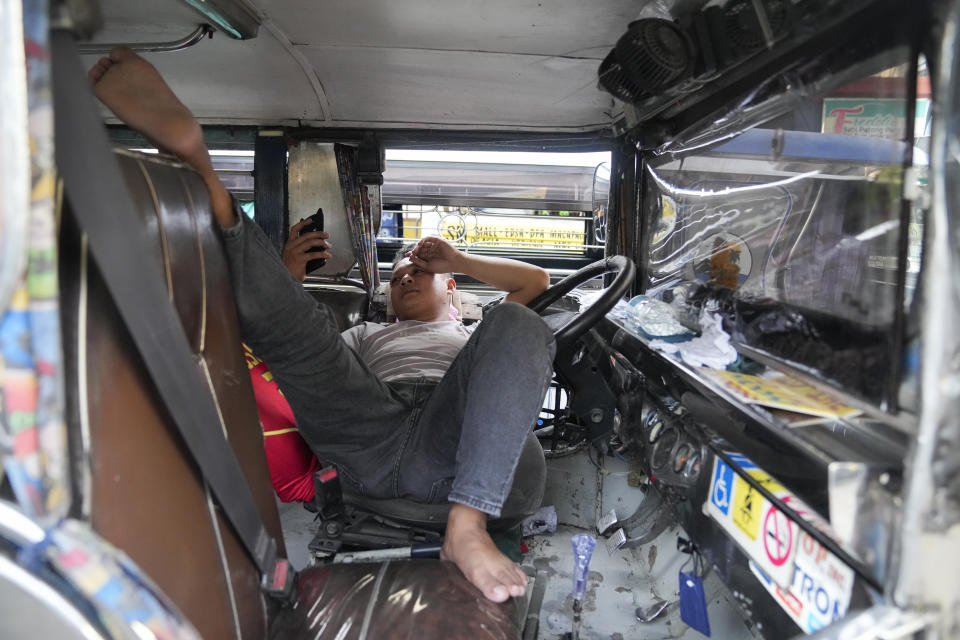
(753, 499)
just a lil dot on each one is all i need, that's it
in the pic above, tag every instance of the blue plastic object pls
(583, 545)
(693, 603)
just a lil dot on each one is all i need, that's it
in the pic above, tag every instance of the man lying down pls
(424, 409)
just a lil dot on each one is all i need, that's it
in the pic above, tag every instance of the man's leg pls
(473, 428)
(340, 407)
(133, 89)
(137, 94)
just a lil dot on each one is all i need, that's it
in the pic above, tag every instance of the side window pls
(235, 169)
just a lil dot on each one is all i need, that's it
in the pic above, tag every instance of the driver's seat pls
(357, 521)
(362, 522)
(525, 497)
(377, 523)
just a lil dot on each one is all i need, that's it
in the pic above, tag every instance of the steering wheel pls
(568, 334)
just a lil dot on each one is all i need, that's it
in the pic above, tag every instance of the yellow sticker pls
(767, 481)
(747, 507)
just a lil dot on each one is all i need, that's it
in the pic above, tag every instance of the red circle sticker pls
(777, 536)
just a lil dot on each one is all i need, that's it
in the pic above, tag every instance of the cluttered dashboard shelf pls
(763, 404)
(691, 428)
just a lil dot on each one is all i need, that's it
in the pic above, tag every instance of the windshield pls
(795, 229)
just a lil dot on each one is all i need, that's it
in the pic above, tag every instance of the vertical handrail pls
(924, 551)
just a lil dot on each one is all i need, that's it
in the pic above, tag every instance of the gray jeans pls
(456, 439)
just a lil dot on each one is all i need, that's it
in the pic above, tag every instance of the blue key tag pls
(693, 600)
(693, 603)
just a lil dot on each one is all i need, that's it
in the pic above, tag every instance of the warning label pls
(819, 592)
(742, 511)
(811, 584)
(777, 536)
(746, 508)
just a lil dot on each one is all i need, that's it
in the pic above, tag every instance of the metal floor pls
(298, 529)
(618, 585)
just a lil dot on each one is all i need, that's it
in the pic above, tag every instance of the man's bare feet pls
(136, 93)
(468, 545)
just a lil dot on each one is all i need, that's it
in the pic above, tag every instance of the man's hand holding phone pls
(306, 247)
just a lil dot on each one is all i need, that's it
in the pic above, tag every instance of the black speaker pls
(655, 54)
(742, 23)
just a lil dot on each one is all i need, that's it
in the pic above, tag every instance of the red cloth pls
(290, 460)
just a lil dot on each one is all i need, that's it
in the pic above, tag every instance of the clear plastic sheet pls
(653, 319)
(808, 240)
(408, 599)
(795, 230)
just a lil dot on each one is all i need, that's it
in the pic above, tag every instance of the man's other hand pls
(522, 281)
(436, 255)
(295, 256)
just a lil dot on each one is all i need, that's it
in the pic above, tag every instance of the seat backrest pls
(136, 482)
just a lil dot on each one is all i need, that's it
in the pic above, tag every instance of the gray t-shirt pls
(408, 349)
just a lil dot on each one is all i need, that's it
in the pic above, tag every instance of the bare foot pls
(136, 93)
(468, 545)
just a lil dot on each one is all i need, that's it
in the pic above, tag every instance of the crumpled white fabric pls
(543, 521)
(711, 349)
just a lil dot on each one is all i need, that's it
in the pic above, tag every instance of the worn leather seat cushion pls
(396, 600)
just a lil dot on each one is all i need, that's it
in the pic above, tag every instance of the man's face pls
(417, 294)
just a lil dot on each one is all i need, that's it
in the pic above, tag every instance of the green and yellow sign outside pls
(871, 117)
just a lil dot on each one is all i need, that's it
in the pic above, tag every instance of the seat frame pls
(350, 521)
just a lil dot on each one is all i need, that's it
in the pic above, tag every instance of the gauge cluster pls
(673, 447)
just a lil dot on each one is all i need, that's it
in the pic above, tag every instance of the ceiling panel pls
(414, 63)
(143, 21)
(548, 27)
(224, 80)
(460, 88)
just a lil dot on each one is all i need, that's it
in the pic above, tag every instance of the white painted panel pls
(219, 79)
(415, 63)
(460, 88)
(143, 21)
(548, 27)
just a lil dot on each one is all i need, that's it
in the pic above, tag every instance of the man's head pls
(417, 294)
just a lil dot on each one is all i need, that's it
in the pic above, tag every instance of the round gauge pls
(661, 451)
(655, 431)
(680, 460)
(654, 425)
(693, 466)
(652, 417)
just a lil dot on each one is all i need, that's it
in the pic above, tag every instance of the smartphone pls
(316, 224)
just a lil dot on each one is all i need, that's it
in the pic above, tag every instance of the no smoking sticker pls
(742, 512)
(777, 536)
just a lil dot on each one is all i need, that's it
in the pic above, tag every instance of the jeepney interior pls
(744, 207)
